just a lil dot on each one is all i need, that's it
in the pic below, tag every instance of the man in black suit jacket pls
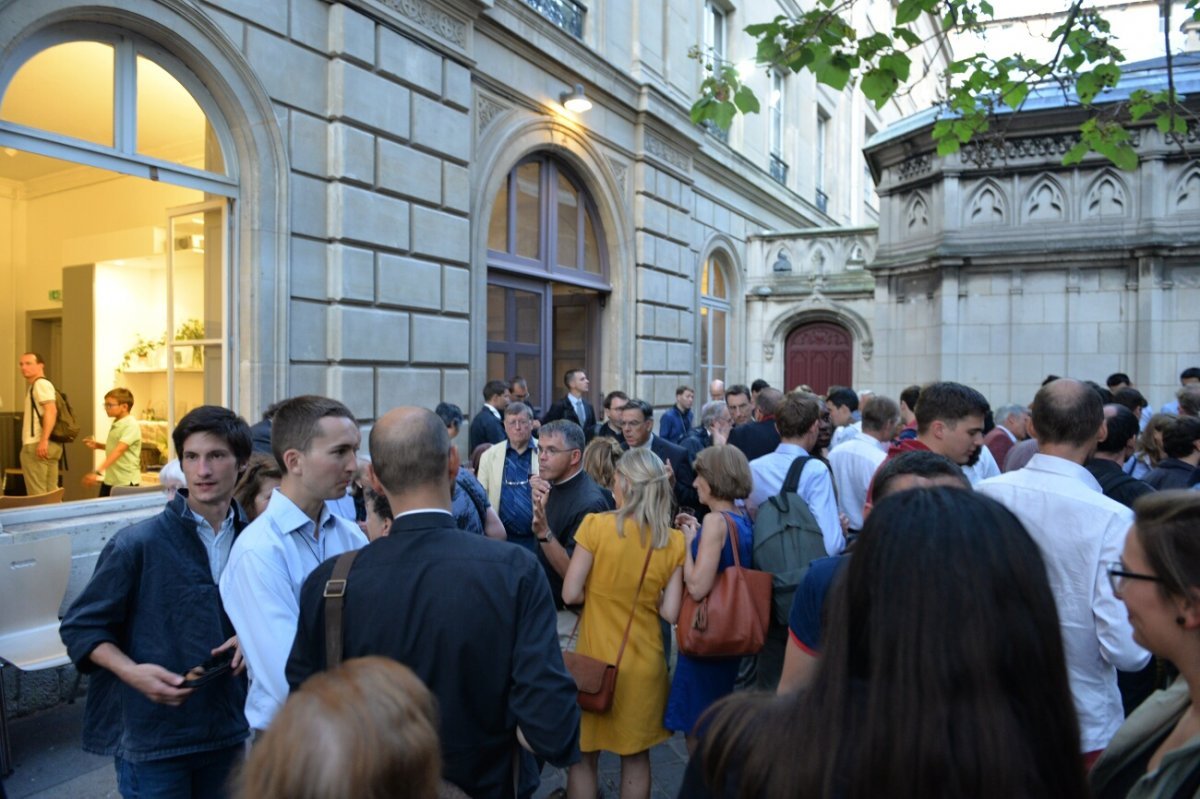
(759, 437)
(499, 614)
(637, 424)
(488, 427)
(571, 406)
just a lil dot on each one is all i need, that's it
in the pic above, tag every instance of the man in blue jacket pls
(152, 614)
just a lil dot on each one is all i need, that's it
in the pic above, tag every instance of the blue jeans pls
(200, 775)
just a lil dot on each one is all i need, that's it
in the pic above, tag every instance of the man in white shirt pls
(855, 461)
(1078, 530)
(39, 455)
(315, 440)
(842, 404)
(796, 419)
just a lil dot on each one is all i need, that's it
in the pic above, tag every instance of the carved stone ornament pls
(1187, 196)
(486, 110)
(768, 350)
(665, 152)
(620, 173)
(434, 20)
(988, 206)
(916, 165)
(1044, 202)
(917, 218)
(1106, 198)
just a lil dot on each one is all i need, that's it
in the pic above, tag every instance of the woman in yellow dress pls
(610, 551)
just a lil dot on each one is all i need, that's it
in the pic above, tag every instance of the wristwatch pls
(547, 538)
(98, 473)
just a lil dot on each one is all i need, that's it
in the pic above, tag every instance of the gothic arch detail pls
(987, 206)
(1187, 190)
(916, 214)
(1107, 197)
(1044, 202)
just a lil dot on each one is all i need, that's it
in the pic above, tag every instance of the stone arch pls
(1186, 197)
(1045, 201)
(986, 205)
(1107, 196)
(257, 339)
(513, 136)
(916, 214)
(820, 309)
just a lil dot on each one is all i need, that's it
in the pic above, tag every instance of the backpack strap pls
(335, 594)
(791, 483)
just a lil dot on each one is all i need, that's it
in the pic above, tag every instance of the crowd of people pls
(967, 601)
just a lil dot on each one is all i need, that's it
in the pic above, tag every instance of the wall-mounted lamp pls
(763, 291)
(575, 100)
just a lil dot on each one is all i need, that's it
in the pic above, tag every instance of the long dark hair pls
(942, 673)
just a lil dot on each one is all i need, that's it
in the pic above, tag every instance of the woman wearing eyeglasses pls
(1156, 753)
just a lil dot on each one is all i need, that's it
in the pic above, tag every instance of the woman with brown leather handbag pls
(627, 560)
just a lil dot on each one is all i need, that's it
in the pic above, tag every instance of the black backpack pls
(66, 429)
(786, 539)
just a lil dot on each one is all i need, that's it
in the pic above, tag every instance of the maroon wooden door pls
(819, 355)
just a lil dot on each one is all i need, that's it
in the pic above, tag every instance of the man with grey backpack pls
(796, 519)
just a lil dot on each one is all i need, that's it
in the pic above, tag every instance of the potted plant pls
(141, 351)
(191, 330)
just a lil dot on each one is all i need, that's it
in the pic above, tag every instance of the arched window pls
(547, 277)
(121, 165)
(714, 318)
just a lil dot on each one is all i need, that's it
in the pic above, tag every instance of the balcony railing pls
(779, 169)
(822, 201)
(562, 13)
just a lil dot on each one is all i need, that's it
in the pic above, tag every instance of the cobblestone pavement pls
(50, 765)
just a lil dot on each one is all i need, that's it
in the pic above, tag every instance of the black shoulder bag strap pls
(335, 593)
(791, 483)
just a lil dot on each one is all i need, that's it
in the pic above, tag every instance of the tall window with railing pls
(716, 36)
(775, 126)
(822, 199)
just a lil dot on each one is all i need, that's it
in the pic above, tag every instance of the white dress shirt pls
(1078, 530)
(217, 543)
(854, 463)
(816, 489)
(260, 588)
(843, 434)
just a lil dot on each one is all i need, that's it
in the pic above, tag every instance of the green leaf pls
(723, 115)
(948, 146)
(1122, 155)
(1087, 85)
(908, 11)
(898, 64)
(745, 100)
(907, 36)
(1076, 153)
(878, 86)
(1016, 94)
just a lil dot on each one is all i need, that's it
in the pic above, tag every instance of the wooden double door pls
(819, 355)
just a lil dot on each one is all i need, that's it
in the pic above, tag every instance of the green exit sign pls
(56, 295)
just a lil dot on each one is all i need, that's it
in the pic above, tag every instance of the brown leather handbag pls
(595, 679)
(732, 620)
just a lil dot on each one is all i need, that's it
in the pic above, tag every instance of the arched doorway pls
(819, 355)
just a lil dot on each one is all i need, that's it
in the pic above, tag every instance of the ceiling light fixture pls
(575, 100)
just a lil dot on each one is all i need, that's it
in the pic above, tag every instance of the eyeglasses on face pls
(628, 424)
(518, 421)
(1118, 575)
(553, 451)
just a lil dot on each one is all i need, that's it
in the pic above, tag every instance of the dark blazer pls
(563, 409)
(488, 650)
(685, 492)
(485, 429)
(755, 439)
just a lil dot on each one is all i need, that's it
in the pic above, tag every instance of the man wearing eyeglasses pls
(1078, 530)
(563, 493)
(637, 426)
(505, 470)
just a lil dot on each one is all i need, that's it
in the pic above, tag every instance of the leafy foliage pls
(977, 87)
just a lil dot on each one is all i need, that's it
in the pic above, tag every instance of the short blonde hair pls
(366, 729)
(647, 495)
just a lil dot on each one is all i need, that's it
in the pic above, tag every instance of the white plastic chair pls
(33, 580)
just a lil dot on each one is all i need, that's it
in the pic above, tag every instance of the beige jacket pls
(491, 469)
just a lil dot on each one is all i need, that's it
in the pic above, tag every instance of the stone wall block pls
(233, 27)
(669, 256)
(410, 172)
(680, 292)
(1098, 306)
(272, 16)
(456, 290)
(308, 144)
(440, 340)
(307, 378)
(667, 323)
(396, 387)
(308, 206)
(704, 209)
(368, 99)
(355, 334)
(651, 214)
(441, 129)
(456, 187)
(645, 391)
(308, 21)
(409, 282)
(441, 235)
(679, 359)
(652, 286)
(652, 355)
(307, 326)
(362, 215)
(407, 61)
(458, 85)
(354, 386)
(351, 153)
(646, 321)
(351, 273)
(456, 387)
(1083, 338)
(351, 35)
(645, 248)
(307, 269)
(291, 74)
(681, 227)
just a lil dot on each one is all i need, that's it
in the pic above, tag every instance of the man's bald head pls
(410, 448)
(1067, 411)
